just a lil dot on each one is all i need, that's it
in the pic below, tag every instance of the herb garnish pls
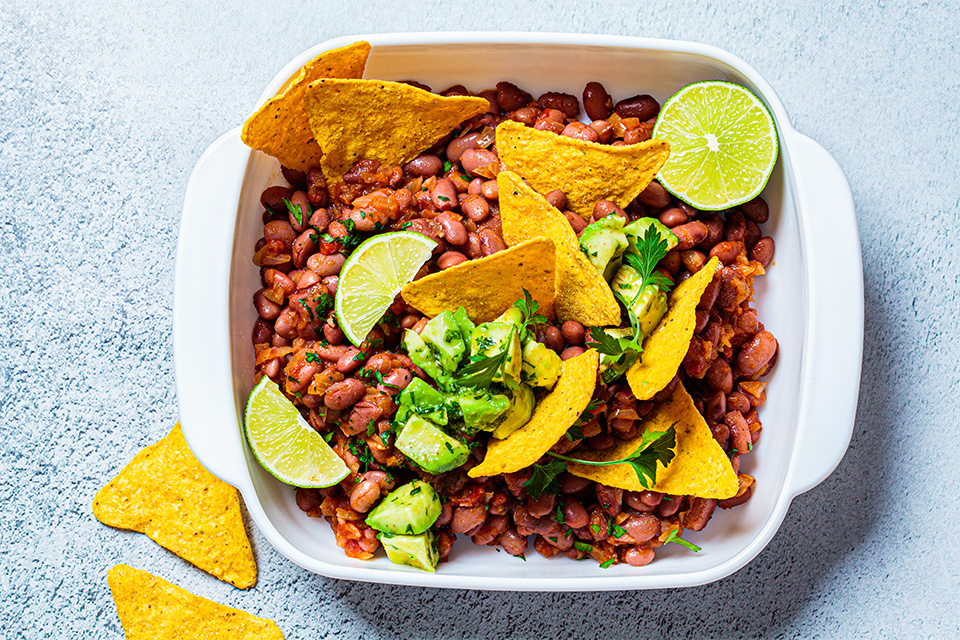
(483, 369)
(651, 249)
(529, 307)
(447, 165)
(607, 563)
(673, 536)
(296, 211)
(544, 479)
(613, 346)
(576, 431)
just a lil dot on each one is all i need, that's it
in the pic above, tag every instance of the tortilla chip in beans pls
(280, 127)
(151, 608)
(555, 413)
(665, 348)
(390, 122)
(165, 493)
(699, 468)
(581, 292)
(487, 286)
(584, 171)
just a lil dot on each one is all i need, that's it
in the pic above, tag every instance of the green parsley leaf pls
(673, 536)
(544, 479)
(481, 370)
(651, 249)
(529, 307)
(611, 346)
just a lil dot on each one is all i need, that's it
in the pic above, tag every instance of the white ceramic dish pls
(812, 300)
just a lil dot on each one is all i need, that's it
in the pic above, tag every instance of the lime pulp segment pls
(372, 277)
(285, 445)
(723, 145)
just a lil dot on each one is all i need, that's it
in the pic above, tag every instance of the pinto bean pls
(512, 542)
(424, 165)
(553, 338)
(286, 324)
(604, 208)
(344, 394)
(361, 416)
(690, 234)
(756, 353)
(596, 101)
(609, 498)
(474, 160)
(693, 260)
(720, 376)
(575, 515)
(467, 518)
(266, 308)
(364, 495)
(580, 131)
(491, 530)
(303, 247)
(396, 381)
(669, 506)
(699, 514)
(740, 437)
(326, 265)
(571, 352)
(279, 230)
(638, 556)
(575, 220)
(475, 207)
(453, 230)
(333, 334)
(351, 359)
(444, 195)
(320, 220)
(490, 242)
(642, 527)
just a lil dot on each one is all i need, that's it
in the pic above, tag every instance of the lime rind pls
(372, 277)
(285, 445)
(723, 145)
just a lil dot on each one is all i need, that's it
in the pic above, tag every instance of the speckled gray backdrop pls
(106, 106)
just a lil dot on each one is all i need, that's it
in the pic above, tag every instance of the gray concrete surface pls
(106, 106)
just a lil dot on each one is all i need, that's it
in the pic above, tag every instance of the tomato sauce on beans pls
(449, 193)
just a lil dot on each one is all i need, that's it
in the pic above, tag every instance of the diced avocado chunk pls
(521, 408)
(541, 365)
(512, 315)
(423, 400)
(480, 409)
(648, 305)
(464, 324)
(429, 447)
(604, 242)
(612, 367)
(638, 228)
(419, 551)
(491, 339)
(423, 357)
(409, 509)
(442, 335)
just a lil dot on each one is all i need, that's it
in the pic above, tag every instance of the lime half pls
(723, 145)
(372, 277)
(285, 444)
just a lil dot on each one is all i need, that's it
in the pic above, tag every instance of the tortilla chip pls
(280, 128)
(581, 293)
(555, 413)
(665, 348)
(488, 286)
(390, 122)
(584, 171)
(151, 608)
(699, 468)
(165, 493)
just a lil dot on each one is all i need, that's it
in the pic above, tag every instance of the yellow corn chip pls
(165, 493)
(555, 413)
(582, 293)
(151, 608)
(488, 286)
(390, 122)
(665, 348)
(584, 171)
(699, 468)
(280, 128)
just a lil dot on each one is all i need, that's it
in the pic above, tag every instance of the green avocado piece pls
(492, 338)
(423, 400)
(603, 242)
(464, 324)
(541, 365)
(612, 367)
(409, 509)
(521, 408)
(423, 357)
(512, 315)
(638, 228)
(429, 447)
(648, 304)
(481, 408)
(419, 551)
(442, 335)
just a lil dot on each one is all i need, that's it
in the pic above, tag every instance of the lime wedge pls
(372, 277)
(285, 444)
(723, 145)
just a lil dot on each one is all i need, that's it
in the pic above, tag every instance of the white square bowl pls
(812, 300)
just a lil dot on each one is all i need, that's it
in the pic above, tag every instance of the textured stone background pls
(105, 108)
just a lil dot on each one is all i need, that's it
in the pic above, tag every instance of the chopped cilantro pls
(607, 563)
(582, 546)
(544, 479)
(674, 536)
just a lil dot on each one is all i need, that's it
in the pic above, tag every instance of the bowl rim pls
(612, 582)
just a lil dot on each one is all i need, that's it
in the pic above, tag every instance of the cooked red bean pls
(539, 507)
(719, 376)
(450, 259)
(510, 97)
(326, 265)
(271, 368)
(512, 542)
(333, 334)
(575, 515)
(673, 217)
(669, 506)
(303, 248)
(753, 233)
(609, 498)
(570, 484)
(580, 131)
(444, 194)
(762, 251)
(490, 242)
(756, 210)
(560, 101)
(307, 279)
(756, 353)
(690, 234)
(394, 382)
(475, 160)
(738, 401)
(699, 514)
(279, 230)
(642, 527)
(299, 199)
(604, 208)
(317, 192)
(654, 196)
(286, 324)
(740, 437)
(491, 530)
(604, 131)
(475, 207)
(424, 165)
(364, 495)
(344, 394)
(453, 230)
(638, 556)
(576, 221)
(351, 359)
(490, 190)
(266, 309)
(725, 251)
(273, 197)
(320, 220)
(262, 332)
(571, 352)
(693, 260)
(714, 224)
(553, 338)
(642, 107)
(597, 102)
(467, 518)
(573, 332)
